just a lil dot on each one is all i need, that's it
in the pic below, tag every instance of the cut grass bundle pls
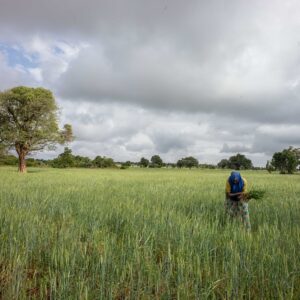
(255, 194)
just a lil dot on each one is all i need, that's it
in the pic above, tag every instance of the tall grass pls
(145, 234)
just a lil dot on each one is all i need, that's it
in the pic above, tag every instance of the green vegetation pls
(28, 122)
(156, 162)
(286, 161)
(188, 162)
(144, 162)
(145, 234)
(236, 162)
(255, 194)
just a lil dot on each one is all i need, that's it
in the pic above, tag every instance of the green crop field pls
(145, 234)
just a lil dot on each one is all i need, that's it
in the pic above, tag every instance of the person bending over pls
(235, 200)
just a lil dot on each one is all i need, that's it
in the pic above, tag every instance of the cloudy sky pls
(168, 77)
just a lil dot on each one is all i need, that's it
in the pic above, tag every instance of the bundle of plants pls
(255, 194)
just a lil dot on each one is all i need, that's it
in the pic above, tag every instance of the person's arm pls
(243, 195)
(240, 194)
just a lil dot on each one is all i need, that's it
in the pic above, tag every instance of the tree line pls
(29, 123)
(286, 162)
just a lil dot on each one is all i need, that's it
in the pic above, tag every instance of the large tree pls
(188, 162)
(64, 160)
(223, 163)
(144, 162)
(239, 161)
(156, 162)
(29, 122)
(103, 162)
(286, 161)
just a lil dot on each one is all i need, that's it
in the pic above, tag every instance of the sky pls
(136, 78)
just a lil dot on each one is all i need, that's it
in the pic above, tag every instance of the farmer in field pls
(235, 203)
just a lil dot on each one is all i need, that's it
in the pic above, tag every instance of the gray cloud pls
(275, 138)
(235, 149)
(234, 68)
(165, 141)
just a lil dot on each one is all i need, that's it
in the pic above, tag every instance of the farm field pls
(145, 234)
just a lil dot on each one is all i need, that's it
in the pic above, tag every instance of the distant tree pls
(31, 162)
(28, 122)
(103, 162)
(171, 165)
(64, 160)
(239, 161)
(223, 164)
(269, 167)
(156, 161)
(188, 162)
(286, 161)
(296, 152)
(207, 166)
(8, 160)
(82, 162)
(126, 165)
(144, 162)
(180, 163)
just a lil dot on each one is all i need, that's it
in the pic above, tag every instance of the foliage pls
(188, 162)
(8, 160)
(31, 162)
(170, 165)
(236, 162)
(83, 162)
(127, 163)
(28, 121)
(144, 162)
(286, 161)
(103, 162)
(223, 164)
(156, 162)
(64, 160)
(269, 167)
(207, 166)
(255, 194)
(124, 167)
(3, 150)
(68, 160)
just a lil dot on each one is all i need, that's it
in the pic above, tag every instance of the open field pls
(145, 234)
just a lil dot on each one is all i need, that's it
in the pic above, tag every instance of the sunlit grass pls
(145, 234)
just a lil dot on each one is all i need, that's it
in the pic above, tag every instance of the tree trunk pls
(22, 162)
(22, 151)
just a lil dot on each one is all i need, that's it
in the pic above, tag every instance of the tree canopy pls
(286, 161)
(188, 162)
(29, 122)
(68, 160)
(103, 162)
(237, 162)
(223, 163)
(144, 162)
(156, 161)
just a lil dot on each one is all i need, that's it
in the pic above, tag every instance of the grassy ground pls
(145, 234)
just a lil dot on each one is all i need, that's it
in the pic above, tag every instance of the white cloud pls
(36, 73)
(52, 56)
